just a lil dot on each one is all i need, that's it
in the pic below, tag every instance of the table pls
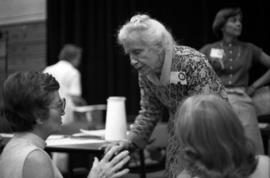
(67, 143)
(71, 145)
(80, 150)
(87, 146)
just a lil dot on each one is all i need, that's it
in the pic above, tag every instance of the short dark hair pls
(222, 16)
(26, 94)
(69, 52)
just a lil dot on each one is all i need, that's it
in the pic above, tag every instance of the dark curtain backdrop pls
(93, 24)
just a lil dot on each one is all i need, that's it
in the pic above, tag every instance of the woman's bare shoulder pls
(263, 167)
(38, 164)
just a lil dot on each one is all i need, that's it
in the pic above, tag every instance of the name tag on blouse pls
(217, 53)
(178, 77)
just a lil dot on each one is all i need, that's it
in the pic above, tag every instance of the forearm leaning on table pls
(151, 112)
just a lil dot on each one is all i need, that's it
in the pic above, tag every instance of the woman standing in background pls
(232, 60)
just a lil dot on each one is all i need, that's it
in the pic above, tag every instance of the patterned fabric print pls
(200, 78)
(148, 116)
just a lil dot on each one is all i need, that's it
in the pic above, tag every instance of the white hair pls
(148, 31)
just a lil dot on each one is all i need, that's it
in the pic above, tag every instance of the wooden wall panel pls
(25, 49)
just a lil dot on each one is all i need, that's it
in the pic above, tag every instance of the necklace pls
(231, 51)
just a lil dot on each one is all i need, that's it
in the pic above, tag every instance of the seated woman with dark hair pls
(33, 107)
(214, 142)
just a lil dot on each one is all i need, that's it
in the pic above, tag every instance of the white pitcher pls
(116, 122)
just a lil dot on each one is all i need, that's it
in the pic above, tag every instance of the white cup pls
(116, 122)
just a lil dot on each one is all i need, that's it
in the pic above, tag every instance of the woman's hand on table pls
(251, 90)
(110, 166)
(121, 144)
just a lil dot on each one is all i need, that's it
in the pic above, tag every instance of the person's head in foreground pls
(147, 42)
(33, 108)
(214, 142)
(32, 103)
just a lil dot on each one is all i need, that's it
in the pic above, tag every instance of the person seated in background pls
(232, 60)
(33, 107)
(214, 141)
(66, 73)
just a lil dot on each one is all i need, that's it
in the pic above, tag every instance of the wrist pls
(132, 146)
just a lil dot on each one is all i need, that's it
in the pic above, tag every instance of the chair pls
(85, 117)
(94, 114)
(153, 157)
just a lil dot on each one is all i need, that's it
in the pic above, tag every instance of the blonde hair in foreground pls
(213, 139)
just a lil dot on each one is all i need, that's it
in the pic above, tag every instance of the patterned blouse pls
(190, 74)
(232, 61)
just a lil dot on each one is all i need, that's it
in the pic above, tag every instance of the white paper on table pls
(89, 108)
(263, 125)
(72, 141)
(98, 133)
(62, 140)
(56, 136)
(10, 135)
(6, 135)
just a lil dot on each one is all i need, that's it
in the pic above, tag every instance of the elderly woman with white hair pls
(168, 73)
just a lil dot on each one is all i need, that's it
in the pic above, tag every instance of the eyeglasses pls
(60, 106)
